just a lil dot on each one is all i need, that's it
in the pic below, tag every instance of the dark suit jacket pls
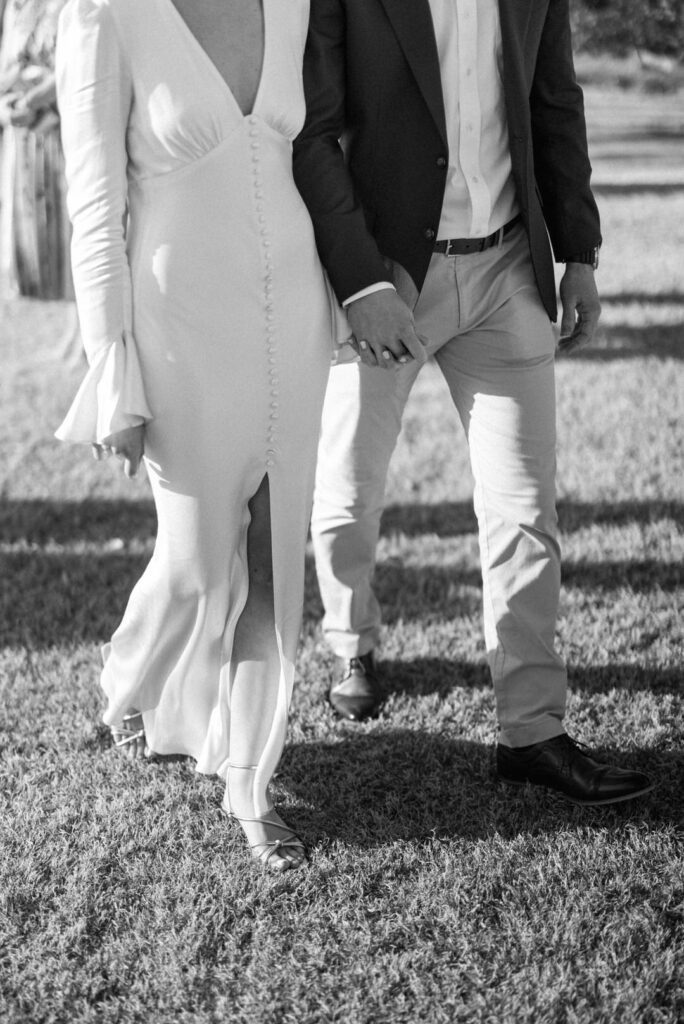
(372, 78)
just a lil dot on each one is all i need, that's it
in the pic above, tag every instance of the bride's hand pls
(128, 445)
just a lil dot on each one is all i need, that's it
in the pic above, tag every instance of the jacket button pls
(441, 161)
(429, 234)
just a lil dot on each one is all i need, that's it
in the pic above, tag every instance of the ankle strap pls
(244, 767)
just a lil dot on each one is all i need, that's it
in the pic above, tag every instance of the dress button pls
(429, 234)
(441, 161)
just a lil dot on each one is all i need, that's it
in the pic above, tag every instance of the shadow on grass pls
(420, 677)
(456, 518)
(374, 788)
(647, 298)
(640, 576)
(633, 188)
(68, 522)
(663, 341)
(53, 600)
(41, 522)
(52, 597)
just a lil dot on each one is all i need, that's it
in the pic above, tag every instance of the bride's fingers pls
(101, 451)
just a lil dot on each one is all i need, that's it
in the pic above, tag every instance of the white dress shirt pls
(480, 195)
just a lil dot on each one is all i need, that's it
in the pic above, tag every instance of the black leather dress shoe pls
(355, 691)
(561, 765)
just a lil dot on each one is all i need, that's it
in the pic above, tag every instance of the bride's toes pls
(273, 843)
(128, 736)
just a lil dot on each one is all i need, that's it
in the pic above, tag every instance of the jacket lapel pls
(412, 24)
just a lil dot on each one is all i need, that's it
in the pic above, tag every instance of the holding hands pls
(128, 446)
(383, 331)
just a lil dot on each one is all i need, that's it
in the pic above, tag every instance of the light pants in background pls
(480, 316)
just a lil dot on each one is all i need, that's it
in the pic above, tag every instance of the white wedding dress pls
(209, 319)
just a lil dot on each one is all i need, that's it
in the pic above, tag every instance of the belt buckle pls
(447, 251)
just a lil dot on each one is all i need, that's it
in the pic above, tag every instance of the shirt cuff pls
(368, 291)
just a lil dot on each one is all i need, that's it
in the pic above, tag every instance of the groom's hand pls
(383, 330)
(581, 307)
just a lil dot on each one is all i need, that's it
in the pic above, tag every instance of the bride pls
(208, 327)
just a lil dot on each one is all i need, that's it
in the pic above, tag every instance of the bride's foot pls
(129, 735)
(272, 842)
(270, 839)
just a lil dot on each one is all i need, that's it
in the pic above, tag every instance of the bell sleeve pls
(95, 94)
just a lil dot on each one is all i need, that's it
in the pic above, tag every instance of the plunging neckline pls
(213, 68)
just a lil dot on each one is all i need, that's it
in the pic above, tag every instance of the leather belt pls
(463, 246)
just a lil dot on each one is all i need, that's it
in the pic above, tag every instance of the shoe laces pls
(571, 748)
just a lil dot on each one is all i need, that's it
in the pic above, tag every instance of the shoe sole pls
(573, 799)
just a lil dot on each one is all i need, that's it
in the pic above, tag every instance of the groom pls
(444, 145)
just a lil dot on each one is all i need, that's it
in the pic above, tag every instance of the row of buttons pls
(269, 314)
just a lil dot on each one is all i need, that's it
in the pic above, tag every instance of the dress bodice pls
(176, 105)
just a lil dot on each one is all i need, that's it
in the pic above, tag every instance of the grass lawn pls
(432, 893)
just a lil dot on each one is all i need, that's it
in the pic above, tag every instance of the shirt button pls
(429, 234)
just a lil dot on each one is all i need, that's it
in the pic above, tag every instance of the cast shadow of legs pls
(373, 789)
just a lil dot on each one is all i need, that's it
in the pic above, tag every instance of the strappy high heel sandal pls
(129, 736)
(271, 853)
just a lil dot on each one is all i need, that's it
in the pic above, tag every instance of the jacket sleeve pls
(559, 137)
(94, 91)
(346, 246)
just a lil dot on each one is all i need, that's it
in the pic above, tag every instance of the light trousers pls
(481, 318)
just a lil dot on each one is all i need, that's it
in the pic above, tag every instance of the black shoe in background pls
(355, 692)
